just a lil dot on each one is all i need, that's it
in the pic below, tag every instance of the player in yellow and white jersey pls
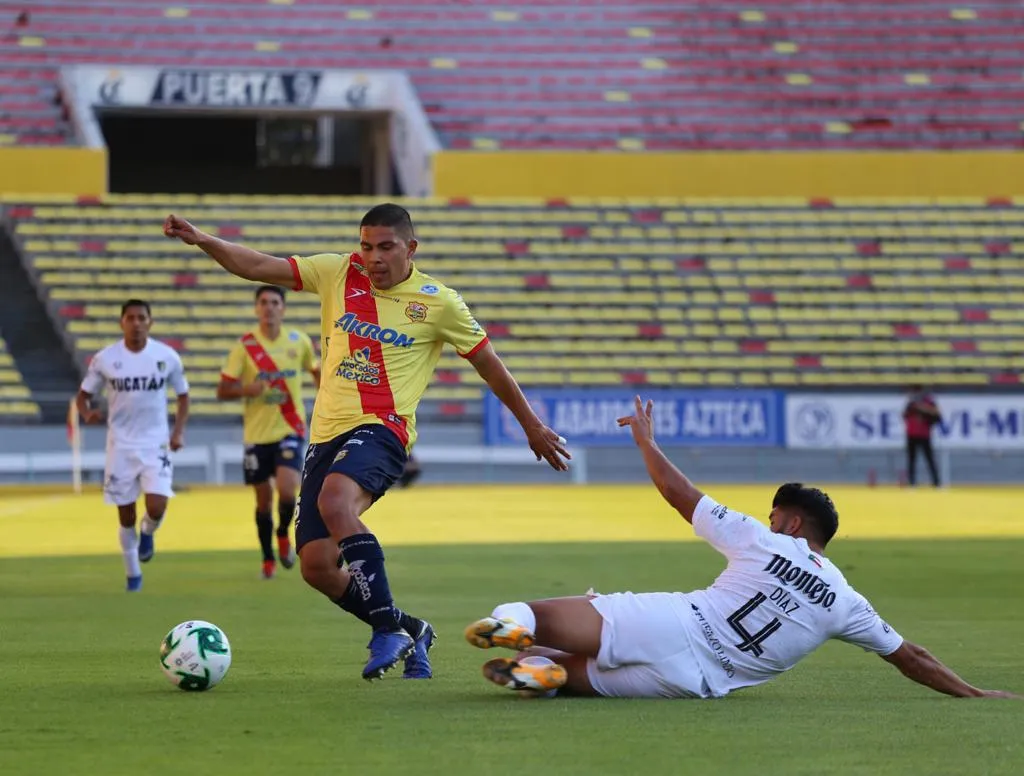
(264, 369)
(383, 325)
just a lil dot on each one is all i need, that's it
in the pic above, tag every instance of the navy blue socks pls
(368, 596)
(265, 529)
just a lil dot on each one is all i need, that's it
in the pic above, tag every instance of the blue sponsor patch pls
(429, 289)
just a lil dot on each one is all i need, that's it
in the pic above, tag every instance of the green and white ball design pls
(195, 655)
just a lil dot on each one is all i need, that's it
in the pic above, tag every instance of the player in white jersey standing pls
(135, 373)
(777, 601)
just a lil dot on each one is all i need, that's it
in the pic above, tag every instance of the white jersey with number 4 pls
(775, 603)
(136, 388)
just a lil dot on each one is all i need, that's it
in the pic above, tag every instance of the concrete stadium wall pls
(728, 174)
(83, 172)
(31, 170)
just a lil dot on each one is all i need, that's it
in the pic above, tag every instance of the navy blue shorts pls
(370, 455)
(260, 462)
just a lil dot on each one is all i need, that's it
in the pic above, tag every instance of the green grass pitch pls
(81, 691)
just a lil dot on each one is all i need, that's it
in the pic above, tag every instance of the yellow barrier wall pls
(722, 174)
(29, 170)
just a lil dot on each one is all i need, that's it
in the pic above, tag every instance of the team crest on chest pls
(416, 312)
(161, 366)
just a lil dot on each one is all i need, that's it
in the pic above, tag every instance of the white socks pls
(149, 525)
(519, 613)
(130, 551)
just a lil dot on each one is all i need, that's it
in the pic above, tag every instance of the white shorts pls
(645, 650)
(131, 472)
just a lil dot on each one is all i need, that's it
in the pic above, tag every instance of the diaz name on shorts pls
(136, 388)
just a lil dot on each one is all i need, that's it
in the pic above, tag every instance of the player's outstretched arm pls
(236, 259)
(673, 485)
(917, 663)
(180, 419)
(229, 389)
(544, 442)
(83, 402)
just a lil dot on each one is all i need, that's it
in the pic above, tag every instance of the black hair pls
(136, 303)
(390, 214)
(269, 290)
(815, 506)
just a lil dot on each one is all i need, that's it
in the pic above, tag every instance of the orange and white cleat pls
(541, 677)
(490, 632)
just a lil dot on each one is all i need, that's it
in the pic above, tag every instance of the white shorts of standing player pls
(130, 473)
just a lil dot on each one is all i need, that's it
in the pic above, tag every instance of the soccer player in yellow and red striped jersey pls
(383, 324)
(264, 369)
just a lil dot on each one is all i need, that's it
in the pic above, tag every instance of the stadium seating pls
(594, 293)
(655, 75)
(15, 398)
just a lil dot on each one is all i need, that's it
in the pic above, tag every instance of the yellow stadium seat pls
(692, 272)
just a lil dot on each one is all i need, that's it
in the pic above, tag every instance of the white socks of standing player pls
(130, 551)
(149, 525)
(519, 612)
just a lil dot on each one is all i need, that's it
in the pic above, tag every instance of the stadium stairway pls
(33, 340)
(16, 403)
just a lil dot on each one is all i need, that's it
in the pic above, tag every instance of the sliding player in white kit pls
(777, 601)
(135, 373)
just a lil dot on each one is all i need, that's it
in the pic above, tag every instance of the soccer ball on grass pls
(195, 655)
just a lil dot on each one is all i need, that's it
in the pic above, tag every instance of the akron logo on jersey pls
(350, 324)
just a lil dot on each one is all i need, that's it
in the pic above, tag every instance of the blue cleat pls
(146, 549)
(134, 584)
(417, 665)
(386, 649)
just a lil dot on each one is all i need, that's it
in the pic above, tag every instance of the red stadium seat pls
(914, 74)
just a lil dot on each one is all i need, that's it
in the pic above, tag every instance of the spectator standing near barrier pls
(920, 416)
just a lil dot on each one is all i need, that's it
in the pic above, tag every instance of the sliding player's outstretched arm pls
(673, 485)
(866, 629)
(236, 259)
(917, 663)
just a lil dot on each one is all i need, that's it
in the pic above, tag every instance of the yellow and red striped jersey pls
(275, 413)
(379, 347)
